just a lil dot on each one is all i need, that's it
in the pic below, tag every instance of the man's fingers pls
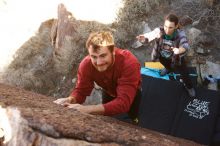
(56, 101)
(61, 101)
(75, 106)
(65, 104)
(138, 37)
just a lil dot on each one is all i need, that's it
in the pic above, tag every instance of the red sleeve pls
(126, 90)
(84, 84)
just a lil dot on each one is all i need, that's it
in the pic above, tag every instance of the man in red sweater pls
(117, 71)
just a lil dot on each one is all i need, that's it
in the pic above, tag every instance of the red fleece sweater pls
(121, 81)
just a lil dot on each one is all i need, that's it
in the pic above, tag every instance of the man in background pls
(170, 48)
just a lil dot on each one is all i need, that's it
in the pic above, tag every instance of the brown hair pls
(172, 18)
(100, 39)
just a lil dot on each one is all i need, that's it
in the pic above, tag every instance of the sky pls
(21, 18)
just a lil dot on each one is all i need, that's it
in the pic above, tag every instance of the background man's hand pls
(177, 51)
(141, 38)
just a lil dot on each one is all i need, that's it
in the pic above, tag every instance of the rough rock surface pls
(48, 61)
(47, 64)
(36, 120)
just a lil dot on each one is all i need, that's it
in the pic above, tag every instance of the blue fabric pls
(156, 73)
(153, 73)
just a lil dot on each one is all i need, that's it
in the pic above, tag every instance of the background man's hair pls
(172, 18)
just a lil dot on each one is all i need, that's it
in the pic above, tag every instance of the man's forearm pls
(152, 35)
(95, 109)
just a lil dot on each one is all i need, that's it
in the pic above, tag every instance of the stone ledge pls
(35, 119)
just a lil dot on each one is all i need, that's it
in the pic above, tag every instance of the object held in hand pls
(139, 43)
(176, 51)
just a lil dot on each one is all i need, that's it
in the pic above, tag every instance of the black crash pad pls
(216, 137)
(167, 108)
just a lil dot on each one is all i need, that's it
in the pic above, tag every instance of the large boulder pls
(28, 118)
(48, 61)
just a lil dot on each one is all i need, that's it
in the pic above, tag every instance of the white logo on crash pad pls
(198, 108)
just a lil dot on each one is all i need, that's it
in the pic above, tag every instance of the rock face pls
(213, 69)
(33, 119)
(48, 61)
